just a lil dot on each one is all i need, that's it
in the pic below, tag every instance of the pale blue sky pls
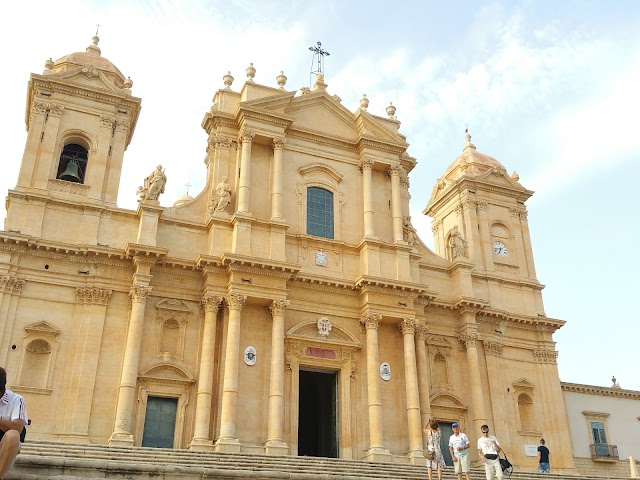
(549, 88)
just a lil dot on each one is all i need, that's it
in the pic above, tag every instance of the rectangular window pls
(599, 439)
(319, 212)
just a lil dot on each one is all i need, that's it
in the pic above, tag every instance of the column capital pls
(11, 284)
(107, 121)
(407, 326)
(139, 293)
(279, 306)
(468, 339)
(278, 143)
(366, 163)
(93, 295)
(55, 110)
(421, 329)
(394, 170)
(235, 301)
(546, 356)
(370, 320)
(493, 348)
(246, 136)
(39, 108)
(123, 126)
(211, 302)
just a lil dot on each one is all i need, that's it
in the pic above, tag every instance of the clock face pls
(500, 249)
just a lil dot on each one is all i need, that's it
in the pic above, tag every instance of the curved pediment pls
(168, 372)
(321, 169)
(308, 330)
(446, 400)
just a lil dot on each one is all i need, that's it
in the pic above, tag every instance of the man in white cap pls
(459, 449)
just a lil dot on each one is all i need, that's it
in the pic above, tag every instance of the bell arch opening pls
(73, 163)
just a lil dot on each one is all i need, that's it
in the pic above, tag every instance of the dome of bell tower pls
(92, 56)
(471, 162)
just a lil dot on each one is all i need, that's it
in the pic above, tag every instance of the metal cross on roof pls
(320, 53)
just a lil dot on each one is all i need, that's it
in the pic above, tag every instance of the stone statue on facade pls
(153, 185)
(222, 198)
(408, 232)
(458, 244)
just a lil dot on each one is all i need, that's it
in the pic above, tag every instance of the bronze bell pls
(71, 173)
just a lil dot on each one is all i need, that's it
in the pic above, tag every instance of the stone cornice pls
(603, 391)
(244, 263)
(365, 281)
(13, 241)
(151, 253)
(316, 280)
(243, 113)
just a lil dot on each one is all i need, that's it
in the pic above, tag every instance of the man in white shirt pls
(459, 449)
(13, 419)
(488, 448)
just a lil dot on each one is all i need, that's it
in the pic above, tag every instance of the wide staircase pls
(40, 460)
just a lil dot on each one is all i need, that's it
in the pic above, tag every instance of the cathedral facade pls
(290, 308)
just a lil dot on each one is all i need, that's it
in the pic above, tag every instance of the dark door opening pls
(445, 433)
(160, 422)
(318, 414)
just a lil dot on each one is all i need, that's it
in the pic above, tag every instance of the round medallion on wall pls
(250, 355)
(385, 371)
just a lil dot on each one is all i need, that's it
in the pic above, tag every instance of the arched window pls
(319, 212)
(527, 416)
(73, 163)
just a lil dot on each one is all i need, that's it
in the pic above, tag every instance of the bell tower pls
(479, 216)
(80, 118)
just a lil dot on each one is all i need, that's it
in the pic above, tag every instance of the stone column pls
(469, 339)
(396, 204)
(46, 160)
(366, 165)
(376, 449)
(36, 127)
(244, 186)
(114, 165)
(122, 434)
(408, 327)
(277, 178)
(275, 444)
(10, 289)
(201, 431)
(227, 441)
(423, 377)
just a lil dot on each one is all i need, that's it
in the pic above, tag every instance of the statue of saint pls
(153, 185)
(457, 244)
(223, 197)
(408, 232)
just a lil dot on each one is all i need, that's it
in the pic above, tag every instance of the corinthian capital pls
(279, 306)
(468, 339)
(246, 135)
(39, 108)
(93, 295)
(366, 163)
(394, 170)
(210, 303)
(55, 110)
(407, 325)
(371, 320)
(11, 284)
(278, 143)
(122, 126)
(106, 121)
(139, 293)
(236, 301)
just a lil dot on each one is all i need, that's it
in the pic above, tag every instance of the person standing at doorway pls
(433, 445)
(543, 458)
(13, 420)
(488, 448)
(459, 449)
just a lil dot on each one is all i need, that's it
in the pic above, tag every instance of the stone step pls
(69, 461)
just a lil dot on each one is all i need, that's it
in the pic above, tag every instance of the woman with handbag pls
(433, 452)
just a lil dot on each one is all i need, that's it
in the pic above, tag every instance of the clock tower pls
(479, 217)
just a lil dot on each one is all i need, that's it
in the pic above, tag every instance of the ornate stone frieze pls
(11, 284)
(278, 143)
(107, 121)
(493, 348)
(436, 226)
(246, 135)
(370, 320)
(468, 339)
(236, 301)
(520, 212)
(279, 306)
(93, 295)
(407, 325)
(211, 303)
(73, 188)
(139, 293)
(546, 356)
(90, 71)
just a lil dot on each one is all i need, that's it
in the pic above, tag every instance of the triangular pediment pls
(523, 383)
(322, 113)
(42, 328)
(86, 76)
(375, 127)
(438, 341)
(173, 304)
